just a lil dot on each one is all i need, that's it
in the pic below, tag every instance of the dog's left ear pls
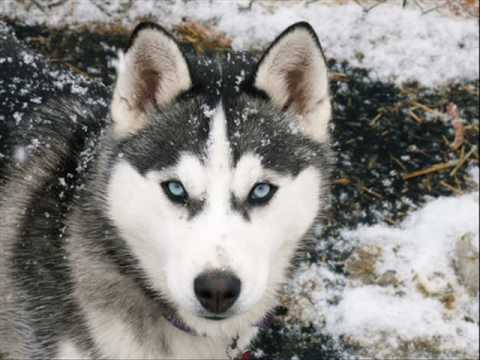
(151, 73)
(293, 73)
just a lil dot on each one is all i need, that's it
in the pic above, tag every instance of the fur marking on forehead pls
(219, 161)
(219, 152)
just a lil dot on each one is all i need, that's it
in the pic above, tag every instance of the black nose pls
(217, 290)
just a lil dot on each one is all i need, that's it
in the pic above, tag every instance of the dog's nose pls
(217, 290)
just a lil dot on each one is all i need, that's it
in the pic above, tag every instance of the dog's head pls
(220, 170)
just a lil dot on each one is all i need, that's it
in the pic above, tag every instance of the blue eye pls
(261, 190)
(175, 191)
(261, 193)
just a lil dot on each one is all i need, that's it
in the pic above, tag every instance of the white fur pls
(173, 249)
(287, 55)
(68, 351)
(116, 340)
(114, 337)
(219, 164)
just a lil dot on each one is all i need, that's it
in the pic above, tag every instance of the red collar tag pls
(247, 356)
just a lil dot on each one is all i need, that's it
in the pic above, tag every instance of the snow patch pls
(19, 154)
(397, 44)
(429, 302)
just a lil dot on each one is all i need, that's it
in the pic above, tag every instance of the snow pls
(358, 314)
(397, 44)
(20, 154)
(428, 302)
(421, 244)
(474, 174)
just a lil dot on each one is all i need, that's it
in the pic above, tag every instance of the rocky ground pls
(397, 148)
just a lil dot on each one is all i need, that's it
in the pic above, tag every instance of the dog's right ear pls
(151, 73)
(293, 74)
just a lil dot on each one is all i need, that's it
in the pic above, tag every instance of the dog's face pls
(216, 183)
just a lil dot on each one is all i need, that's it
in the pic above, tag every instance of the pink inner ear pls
(293, 73)
(146, 88)
(297, 87)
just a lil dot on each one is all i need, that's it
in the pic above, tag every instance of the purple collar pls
(265, 323)
(247, 355)
(180, 325)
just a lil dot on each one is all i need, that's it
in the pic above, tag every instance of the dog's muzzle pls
(217, 291)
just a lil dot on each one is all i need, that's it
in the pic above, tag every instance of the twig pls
(415, 117)
(418, 5)
(343, 181)
(426, 11)
(463, 160)
(431, 169)
(368, 9)
(371, 192)
(423, 106)
(390, 221)
(336, 76)
(445, 141)
(433, 8)
(57, 3)
(375, 5)
(72, 67)
(38, 5)
(457, 123)
(101, 8)
(375, 119)
(450, 187)
(399, 163)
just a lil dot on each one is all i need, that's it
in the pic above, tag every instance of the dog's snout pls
(217, 290)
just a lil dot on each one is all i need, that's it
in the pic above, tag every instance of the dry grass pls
(202, 37)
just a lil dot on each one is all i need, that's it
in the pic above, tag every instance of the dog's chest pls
(115, 342)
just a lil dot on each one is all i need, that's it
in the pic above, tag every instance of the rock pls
(448, 301)
(433, 285)
(437, 286)
(362, 263)
(388, 278)
(467, 263)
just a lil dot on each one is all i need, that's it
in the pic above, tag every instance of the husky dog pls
(166, 226)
